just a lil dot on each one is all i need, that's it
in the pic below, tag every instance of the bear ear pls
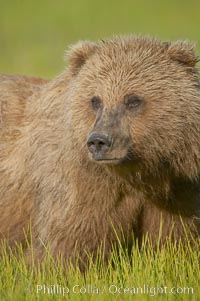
(78, 54)
(183, 52)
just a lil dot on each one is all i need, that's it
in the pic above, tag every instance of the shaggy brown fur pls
(15, 95)
(143, 97)
(15, 92)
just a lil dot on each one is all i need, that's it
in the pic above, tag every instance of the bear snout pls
(99, 144)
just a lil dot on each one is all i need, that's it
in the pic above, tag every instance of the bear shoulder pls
(15, 92)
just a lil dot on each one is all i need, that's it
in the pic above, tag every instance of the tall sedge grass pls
(165, 273)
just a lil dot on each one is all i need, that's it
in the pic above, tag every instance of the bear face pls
(136, 103)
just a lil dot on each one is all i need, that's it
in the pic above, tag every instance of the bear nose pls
(99, 143)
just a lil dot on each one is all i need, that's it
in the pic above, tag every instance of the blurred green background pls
(34, 34)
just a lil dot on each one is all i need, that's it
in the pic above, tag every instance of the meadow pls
(169, 273)
(33, 38)
(34, 34)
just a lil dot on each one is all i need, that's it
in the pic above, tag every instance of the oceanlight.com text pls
(112, 289)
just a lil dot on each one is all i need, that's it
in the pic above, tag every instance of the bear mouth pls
(115, 161)
(125, 158)
(109, 161)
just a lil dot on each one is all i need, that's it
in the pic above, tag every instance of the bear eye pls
(133, 102)
(96, 103)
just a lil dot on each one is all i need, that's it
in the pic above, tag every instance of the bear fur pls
(15, 93)
(142, 94)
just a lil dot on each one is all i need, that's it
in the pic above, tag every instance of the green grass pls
(34, 34)
(170, 267)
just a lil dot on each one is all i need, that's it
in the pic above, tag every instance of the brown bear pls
(110, 149)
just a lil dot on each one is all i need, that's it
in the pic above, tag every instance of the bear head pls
(135, 104)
